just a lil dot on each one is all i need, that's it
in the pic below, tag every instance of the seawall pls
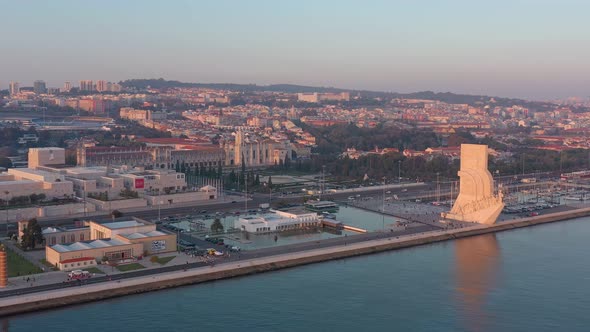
(94, 292)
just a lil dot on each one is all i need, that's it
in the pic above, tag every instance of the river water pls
(531, 279)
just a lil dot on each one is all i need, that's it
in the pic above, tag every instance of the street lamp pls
(383, 205)
(399, 171)
(6, 193)
(437, 188)
(84, 193)
(159, 208)
(497, 182)
(560, 162)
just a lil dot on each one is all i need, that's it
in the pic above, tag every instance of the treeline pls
(532, 160)
(425, 168)
(335, 139)
(391, 166)
(446, 97)
(161, 83)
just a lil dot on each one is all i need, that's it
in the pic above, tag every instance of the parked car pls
(185, 243)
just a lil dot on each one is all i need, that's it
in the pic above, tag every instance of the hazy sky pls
(530, 49)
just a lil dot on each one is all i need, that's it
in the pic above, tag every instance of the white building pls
(25, 182)
(278, 221)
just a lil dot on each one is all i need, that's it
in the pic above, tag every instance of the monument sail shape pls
(476, 201)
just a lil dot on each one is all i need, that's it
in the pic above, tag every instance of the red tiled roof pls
(200, 147)
(172, 140)
(74, 260)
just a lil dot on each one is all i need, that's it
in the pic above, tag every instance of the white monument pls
(476, 201)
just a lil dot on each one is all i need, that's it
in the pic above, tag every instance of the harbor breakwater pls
(94, 292)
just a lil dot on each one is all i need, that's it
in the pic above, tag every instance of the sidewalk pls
(168, 276)
(54, 277)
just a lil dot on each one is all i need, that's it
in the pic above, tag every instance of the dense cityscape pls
(287, 166)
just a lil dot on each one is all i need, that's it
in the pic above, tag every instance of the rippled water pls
(533, 279)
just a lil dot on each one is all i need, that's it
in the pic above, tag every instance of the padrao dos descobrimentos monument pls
(476, 201)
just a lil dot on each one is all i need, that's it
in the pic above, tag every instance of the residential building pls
(14, 88)
(67, 86)
(39, 87)
(86, 85)
(101, 86)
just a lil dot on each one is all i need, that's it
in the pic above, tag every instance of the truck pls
(264, 206)
(79, 275)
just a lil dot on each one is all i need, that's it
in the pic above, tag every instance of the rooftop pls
(142, 235)
(92, 244)
(123, 224)
(51, 230)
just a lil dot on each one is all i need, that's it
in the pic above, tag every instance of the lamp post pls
(399, 171)
(6, 193)
(159, 209)
(383, 205)
(560, 162)
(84, 193)
(437, 187)
(497, 181)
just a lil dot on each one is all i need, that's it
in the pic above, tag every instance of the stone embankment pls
(95, 292)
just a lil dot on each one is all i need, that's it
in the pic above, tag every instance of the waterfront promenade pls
(384, 241)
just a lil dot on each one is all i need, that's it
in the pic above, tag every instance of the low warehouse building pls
(117, 241)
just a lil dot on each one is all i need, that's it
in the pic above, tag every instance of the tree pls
(217, 226)
(257, 180)
(32, 235)
(219, 170)
(5, 162)
(116, 214)
(269, 183)
(243, 164)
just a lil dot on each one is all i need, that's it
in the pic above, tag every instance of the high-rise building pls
(86, 85)
(67, 86)
(101, 86)
(14, 88)
(39, 87)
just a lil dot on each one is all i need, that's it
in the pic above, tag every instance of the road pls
(241, 256)
(254, 202)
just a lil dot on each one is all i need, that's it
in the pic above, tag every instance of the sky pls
(534, 49)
